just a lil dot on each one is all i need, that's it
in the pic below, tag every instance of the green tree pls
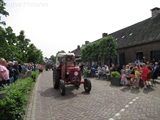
(11, 41)
(3, 12)
(95, 51)
(62, 51)
(19, 47)
(84, 54)
(90, 52)
(107, 48)
(53, 58)
(34, 55)
(3, 42)
(22, 45)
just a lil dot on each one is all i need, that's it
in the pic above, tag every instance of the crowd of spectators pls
(140, 74)
(12, 71)
(131, 74)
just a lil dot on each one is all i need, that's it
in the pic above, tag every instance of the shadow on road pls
(47, 93)
(132, 90)
(85, 93)
(55, 93)
(149, 89)
(136, 91)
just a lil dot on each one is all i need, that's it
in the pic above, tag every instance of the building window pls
(130, 34)
(139, 56)
(155, 55)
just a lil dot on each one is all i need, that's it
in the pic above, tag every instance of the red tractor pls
(67, 73)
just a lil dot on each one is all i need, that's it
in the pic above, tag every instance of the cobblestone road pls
(105, 102)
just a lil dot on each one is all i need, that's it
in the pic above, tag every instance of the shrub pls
(115, 74)
(13, 105)
(86, 71)
(35, 75)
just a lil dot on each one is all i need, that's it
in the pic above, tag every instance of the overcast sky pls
(54, 25)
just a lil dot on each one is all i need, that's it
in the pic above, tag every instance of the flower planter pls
(115, 81)
(87, 75)
(115, 78)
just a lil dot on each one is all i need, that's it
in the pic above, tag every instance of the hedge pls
(13, 105)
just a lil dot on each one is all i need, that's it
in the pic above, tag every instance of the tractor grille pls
(75, 78)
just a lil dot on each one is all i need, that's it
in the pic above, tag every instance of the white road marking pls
(126, 106)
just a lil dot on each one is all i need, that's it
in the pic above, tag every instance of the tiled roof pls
(76, 52)
(140, 33)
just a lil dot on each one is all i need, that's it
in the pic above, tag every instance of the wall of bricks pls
(130, 53)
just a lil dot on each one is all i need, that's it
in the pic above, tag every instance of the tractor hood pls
(74, 72)
(73, 68)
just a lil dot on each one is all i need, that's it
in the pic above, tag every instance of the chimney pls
(78, 46)
(104, 35)
(86, 42)
(82, 45)
(155, 11)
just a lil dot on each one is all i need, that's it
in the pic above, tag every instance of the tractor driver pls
(61, 60)
(69, 59)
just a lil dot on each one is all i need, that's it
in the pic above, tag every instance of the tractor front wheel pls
(62, 88)
(56, 79)
(87, 85)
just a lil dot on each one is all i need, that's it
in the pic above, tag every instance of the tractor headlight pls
(76, 73)
(67, 73)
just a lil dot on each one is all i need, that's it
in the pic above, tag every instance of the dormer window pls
(130, 34)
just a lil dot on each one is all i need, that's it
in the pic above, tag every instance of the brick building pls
(139, 41)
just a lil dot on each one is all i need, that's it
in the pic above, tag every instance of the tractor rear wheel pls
(56, 79)
(87, 85)
(62, 88)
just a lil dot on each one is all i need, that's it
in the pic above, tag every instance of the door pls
(122, 60)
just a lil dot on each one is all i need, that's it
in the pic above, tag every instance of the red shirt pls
(145, 71)
(41, 67)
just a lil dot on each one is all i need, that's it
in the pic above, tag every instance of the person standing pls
(4, 72)
(16, 72)
(112, 68)
(107, 72)
(99, 69)
(81, 66)
(11, 72)
(40, 68)
(137, 77)
(144, 71)
(123, 78)
(128, 75)
(93, 71)
(24, 70)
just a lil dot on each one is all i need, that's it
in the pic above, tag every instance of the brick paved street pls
(105, 102)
